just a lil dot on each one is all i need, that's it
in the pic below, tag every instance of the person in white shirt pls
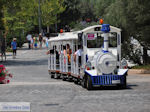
(31, 43)
(78, 53)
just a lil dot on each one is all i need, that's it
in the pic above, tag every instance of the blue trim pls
(118, 39)
(105, 51)
(106, 40)
(106, 79)
(86, 57)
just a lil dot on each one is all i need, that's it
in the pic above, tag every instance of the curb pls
(138, 71)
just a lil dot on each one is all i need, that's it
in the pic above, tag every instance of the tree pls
(139, 15)
(133, 18)
(71, 13)
(21, 16)
(50, 9)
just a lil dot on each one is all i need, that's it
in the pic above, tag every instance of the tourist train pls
(91, 57)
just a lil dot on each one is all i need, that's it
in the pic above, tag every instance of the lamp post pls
(39, 14)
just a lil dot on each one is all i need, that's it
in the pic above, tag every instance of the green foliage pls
(18, 17)
(50, 9)
(147, 67)
(71, 13)
(2, 74)
(133, 17)
(21, 16)
(8, 49)
(101, 6)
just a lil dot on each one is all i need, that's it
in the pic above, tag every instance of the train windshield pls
(96, 40)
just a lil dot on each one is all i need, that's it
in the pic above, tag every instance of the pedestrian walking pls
(14, 47)
(3, 48)
(40, 40)
(31, 43)
(29, 36)
(35, 41)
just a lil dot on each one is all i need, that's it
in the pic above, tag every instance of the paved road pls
(31, 83)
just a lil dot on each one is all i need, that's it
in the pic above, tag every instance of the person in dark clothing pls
(3, 49)
(52, 51)
(40, 40)
(14, 47)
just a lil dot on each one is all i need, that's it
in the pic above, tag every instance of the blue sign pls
(105, 28)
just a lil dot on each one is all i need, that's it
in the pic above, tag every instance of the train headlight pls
(124, 63)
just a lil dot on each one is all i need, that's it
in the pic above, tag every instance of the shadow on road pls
(24, 49)
(25, 62)
(114, 87)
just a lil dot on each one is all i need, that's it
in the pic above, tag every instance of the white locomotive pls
(100, 57)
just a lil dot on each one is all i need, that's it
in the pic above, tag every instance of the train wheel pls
(55, 76)
(70, 79)
(63, 78)
(58, 76)
(52, 75)
(75, 80)
(124, 86)
(83, 83)
(89, 83)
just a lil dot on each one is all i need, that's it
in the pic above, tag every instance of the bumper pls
(108, 79)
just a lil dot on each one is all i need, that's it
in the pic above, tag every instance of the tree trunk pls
(47, 29)
(145, 56)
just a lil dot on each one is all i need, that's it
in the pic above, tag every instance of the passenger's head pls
(55, 47)
(14, 39)
(79, 46)
(64, 47)
(68, 46)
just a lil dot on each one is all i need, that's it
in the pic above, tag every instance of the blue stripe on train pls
(106, 79)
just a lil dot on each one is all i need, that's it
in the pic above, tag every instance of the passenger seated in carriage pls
(54, 51)
(64, 53)
(69, 52)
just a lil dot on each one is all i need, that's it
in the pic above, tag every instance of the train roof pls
(74, 35)
(91, 28)
(65, 36)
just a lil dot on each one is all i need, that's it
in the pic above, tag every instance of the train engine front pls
(105, 63)
(104, 66)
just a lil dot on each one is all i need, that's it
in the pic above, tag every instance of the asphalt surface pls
(31, 83)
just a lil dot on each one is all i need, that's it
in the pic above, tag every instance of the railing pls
(63, 65)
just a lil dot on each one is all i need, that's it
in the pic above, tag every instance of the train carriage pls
(100, 60)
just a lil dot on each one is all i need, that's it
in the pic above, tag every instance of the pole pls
(39, 14)
(105, 29)
(105, 47)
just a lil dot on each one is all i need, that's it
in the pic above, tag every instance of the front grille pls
(106, 79)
